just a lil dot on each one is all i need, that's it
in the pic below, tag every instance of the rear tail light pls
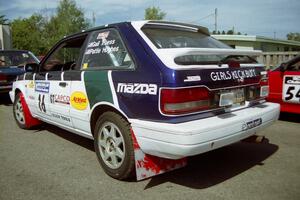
(186, 100)
(264, 85)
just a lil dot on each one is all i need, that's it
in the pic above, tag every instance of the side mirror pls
(31, 67)
(283, 67)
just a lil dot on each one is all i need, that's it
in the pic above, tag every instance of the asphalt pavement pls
(50, 163)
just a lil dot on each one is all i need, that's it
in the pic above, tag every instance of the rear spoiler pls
(168, 55)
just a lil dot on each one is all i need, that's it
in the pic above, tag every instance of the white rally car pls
(150, 94)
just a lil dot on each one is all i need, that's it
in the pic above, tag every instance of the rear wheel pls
(19, 112)
(113, 145)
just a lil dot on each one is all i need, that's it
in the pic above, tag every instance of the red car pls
(284, 84)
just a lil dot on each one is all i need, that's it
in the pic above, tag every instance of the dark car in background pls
(12, 64)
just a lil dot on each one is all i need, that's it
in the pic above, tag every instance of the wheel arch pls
(100, 108)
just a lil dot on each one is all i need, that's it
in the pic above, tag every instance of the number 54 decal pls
(291, 89)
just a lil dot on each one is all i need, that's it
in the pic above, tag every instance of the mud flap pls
(29, 120)
(147, 165)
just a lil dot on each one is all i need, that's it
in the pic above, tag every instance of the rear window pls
(175, 38)
(164, 37)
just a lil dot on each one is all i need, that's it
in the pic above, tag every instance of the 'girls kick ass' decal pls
(79, 100)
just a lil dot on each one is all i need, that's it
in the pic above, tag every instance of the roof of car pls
(150, 22)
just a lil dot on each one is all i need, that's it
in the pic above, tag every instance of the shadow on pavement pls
(202, 171)
(290, 117)
(76, 139)
(5, 99)
(217, 166)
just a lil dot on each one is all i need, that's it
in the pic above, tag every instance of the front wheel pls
(114, 146)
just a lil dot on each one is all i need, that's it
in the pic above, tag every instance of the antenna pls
(216, 18)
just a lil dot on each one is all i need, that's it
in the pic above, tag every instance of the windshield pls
(16, 58)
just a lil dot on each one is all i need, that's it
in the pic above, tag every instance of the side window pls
(294, 67)
(65, 57)
(105, 49)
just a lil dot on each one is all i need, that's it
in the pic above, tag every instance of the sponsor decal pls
(252, 124)
(79, 100)
(30, 84)
(192, 78)
(291, 89)
(42, 87)
(103, 35)
(137, 88)
(85, 65)
(67, 119)
(31, 97)
(239, 75)
(59, 98)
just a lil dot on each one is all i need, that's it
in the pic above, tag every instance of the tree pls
(230, 32)
(68, 19)
(38, 33)
(293, 36)
(154, 13)
(27, 34)
(3, 20)
(223, 33)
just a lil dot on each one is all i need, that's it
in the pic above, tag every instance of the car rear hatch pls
(196, 84)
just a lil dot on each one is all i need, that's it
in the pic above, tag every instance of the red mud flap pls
(147, 165)
(29, 120)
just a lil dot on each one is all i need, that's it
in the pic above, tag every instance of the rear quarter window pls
(105, 49)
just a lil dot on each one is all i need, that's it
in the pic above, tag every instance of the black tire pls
(18, 112)
(109, 146)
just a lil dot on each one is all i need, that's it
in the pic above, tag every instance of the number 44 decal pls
(42, 106)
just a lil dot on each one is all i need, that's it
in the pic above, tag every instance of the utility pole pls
(274, 34)
(216, 14)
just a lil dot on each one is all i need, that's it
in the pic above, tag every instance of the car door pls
(59, 65)
(59, 96)
(291, 83)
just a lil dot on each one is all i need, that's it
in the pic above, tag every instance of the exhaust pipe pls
(255, 139)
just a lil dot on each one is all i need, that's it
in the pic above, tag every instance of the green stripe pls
(97, 87)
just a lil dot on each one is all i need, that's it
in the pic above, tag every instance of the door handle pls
(62, 84)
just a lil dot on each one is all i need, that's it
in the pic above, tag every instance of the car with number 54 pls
(285, 86)
(149, 93)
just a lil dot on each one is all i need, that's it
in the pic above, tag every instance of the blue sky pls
(254, 17)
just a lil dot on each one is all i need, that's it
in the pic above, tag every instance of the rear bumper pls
(175, 141)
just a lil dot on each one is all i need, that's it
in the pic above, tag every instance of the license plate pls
(231, 97)
(251, 124)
